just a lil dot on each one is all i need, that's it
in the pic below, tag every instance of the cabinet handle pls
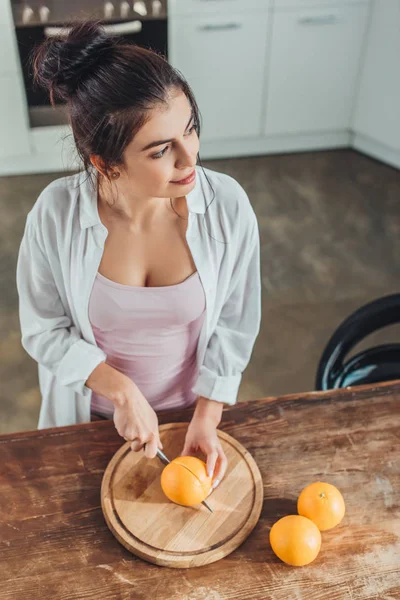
(325, 20)
(224, 26)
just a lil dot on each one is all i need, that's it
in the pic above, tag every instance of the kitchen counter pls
(55, 543)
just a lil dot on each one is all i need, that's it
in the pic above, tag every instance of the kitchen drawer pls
(203, 7)
(230, 108)
(296, 4)
(14, 128)
(314, 68)
(214, 47)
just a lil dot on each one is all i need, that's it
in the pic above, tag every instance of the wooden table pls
(55, 544)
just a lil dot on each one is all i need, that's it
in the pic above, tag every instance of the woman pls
(139, 278)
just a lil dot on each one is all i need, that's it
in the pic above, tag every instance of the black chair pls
(381, 363)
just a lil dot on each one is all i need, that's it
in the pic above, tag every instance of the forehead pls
(164, 121)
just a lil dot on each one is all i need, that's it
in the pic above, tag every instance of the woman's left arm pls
(202, 435)
(227, 354)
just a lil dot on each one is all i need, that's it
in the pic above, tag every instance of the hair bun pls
(62, 63)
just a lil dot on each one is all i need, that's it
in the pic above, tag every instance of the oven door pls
(148, 33)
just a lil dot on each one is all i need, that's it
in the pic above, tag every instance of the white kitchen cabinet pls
(14, 128)
(221, 105)
(313, 70)
(223, 59)
(223, 46)
(278, 4)
(377, 110)
(5, 13)
(201, 7)
(9, 59)
(14, 125)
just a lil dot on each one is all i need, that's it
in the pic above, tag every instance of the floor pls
(330, 242)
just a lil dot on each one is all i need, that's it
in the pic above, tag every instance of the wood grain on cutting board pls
(155, 529)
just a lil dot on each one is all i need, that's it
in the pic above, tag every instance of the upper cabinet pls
(222, 56)
(377, 110)
(313, 67)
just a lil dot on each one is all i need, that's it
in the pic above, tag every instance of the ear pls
(98, 164)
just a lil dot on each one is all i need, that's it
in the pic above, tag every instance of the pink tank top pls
(150, 334)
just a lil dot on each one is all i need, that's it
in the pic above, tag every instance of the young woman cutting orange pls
(139, 277)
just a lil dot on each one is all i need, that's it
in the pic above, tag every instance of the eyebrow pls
(159, 142)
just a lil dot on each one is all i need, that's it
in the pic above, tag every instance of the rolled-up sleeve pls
(48, 335)
(231, 343)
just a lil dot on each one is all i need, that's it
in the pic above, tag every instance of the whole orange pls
(185, 481)
(295, 540)
(323, 504)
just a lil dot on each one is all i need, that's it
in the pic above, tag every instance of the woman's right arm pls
(50, 338)
(48, 334)
(134, 418)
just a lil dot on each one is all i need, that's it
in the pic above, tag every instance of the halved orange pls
(185, 481)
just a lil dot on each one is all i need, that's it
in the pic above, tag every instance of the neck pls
(121, 205)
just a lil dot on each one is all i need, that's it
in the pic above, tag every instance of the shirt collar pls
(87, 186)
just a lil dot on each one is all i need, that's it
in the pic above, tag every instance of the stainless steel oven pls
(143, 22)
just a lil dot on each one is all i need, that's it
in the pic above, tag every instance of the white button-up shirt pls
(58, 260)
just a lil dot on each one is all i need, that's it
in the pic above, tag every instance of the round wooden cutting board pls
(152, 527)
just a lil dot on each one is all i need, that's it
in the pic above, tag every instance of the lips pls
(185, 179)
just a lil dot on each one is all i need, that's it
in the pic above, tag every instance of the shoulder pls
(56, 205)
(227, 202)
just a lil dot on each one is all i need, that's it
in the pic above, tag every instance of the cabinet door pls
(202, 7)
(6, 13)
(377, 111)
(314, 65)
(9, 58)
(14, 129)
(278, 4)
(223, 59)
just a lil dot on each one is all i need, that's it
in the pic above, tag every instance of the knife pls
(166, 461)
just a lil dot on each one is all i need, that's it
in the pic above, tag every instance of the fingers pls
(136, 445)
(150, 448)
(220, 467)
(211, 461)
(138, 427)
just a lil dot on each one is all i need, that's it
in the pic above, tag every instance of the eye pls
(163, 151)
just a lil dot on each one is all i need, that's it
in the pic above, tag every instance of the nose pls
(187, 159)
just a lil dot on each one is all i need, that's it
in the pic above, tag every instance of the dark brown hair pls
(109, 86)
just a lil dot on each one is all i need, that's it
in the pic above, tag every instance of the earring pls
(115, 175)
